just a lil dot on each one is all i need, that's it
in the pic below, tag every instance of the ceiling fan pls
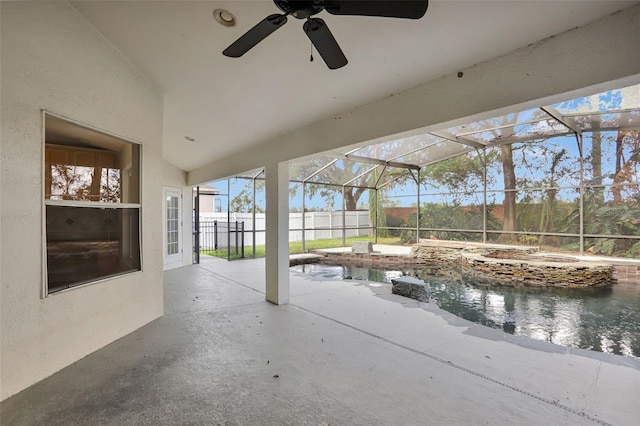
(316, 29)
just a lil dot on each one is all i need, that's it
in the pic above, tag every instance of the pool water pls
(604, 320)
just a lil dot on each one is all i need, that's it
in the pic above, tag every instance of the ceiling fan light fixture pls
(224, 17)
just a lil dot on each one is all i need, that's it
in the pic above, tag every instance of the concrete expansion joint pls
(226, 278)
(552, 402)
(211, 309)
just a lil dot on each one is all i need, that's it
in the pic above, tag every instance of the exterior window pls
(92, 205)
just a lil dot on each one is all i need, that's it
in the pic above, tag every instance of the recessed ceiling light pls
(189, 138)
(224, 17)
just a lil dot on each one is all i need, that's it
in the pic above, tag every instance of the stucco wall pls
(52, 59)
(173, 176)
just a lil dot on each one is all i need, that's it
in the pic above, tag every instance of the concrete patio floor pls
(341, 353)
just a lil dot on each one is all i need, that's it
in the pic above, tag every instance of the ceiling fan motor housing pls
(299, 9)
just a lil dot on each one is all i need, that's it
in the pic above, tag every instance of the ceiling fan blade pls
(255, 35)
(411, 9)
(325, 44)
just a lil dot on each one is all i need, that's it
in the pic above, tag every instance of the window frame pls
(85, 204)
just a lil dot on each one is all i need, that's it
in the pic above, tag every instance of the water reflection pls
(605, 320)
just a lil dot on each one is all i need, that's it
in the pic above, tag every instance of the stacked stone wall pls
(450, 253)
(498, 264)
(516, 272)
(369, 258)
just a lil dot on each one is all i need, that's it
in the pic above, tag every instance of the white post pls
(313, 217)
(277, 230)
(484, 195)
(344, 220)
(304, 208)
(418, 209)
(330, 223)
(253, 217)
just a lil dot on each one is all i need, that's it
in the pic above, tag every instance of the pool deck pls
(383, 249)
(341, 353)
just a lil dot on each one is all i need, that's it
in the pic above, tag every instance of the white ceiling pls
(230, 104)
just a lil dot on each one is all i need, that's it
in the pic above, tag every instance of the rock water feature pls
(536, 270)
(487, 264)
(410, 287)
(513, 265)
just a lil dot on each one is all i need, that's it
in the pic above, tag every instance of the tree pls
(85, 183)
(547, 218)
(619, 213)
(624, 171)
(534, 125)
(316, 171)
(510, 195)
(68, 183)
(340, 172)
(461, 175)
(377, 214)
(596, 164)
(243, 202)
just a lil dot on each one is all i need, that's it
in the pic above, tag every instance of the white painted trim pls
(87, 126)
(97, 281)
(187, 226)
(175, 260)
(43, 223)
(94, 204)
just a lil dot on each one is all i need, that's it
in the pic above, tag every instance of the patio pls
(339, 353)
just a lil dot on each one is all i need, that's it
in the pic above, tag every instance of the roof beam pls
(555, 114)
(458, 139)
(384, 169)
(359, 176)
(447, 157)
(379, 162)
(414, 151)
(258, 174)
(326, 166)
(389, 182)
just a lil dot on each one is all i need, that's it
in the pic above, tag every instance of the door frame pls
(174, 260)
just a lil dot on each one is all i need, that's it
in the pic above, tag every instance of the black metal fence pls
(216, 235)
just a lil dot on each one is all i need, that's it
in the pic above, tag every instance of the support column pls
(484, 194)
(277, 230)
(375, 217)
(304, 214)
(228, 219)
(418, 208)
(253, 218)
(344, 219)
(581, 206)
(196, 227)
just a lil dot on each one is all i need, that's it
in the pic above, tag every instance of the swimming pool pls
(602, 319)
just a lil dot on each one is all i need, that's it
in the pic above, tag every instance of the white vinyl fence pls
(318, 225)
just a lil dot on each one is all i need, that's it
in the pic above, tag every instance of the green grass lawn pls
(296, 247)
